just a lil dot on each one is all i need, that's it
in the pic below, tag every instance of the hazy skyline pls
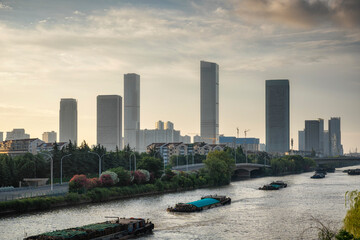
(64, 49)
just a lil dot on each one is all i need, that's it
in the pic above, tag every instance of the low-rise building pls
(250, 144)
(48, 147)
(166, 150)
(20, 146)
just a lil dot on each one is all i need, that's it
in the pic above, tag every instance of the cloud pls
(301, 13)
(4, 6)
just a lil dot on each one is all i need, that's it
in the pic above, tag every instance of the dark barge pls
(122, 228)
(204, 203)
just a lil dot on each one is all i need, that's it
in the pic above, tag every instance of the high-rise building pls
(16, 134)
(1, 136)
(301, 140)
(196, 138)
(109, 121)
(335, 147)
(321, 135)
(132, 110)
(209, 102)
(277, 116)
(312, 135)
(68, 120)
(159, 125)
(169, 125)
(49, 137)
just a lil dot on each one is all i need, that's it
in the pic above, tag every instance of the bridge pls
(338, 161)
(241, 169)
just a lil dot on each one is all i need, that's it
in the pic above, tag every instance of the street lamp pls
(100, 157)
(61, 161)
(132, 154)
(51, 169)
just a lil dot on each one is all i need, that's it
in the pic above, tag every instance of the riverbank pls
(21, 206)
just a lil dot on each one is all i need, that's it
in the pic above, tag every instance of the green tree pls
(220, 166)
(352, 218)
(152, 164)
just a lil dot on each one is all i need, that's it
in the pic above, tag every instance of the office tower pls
(68, 120)
(302, 140)
(159, 125)
(16, 134)
(49, 137)
(277, 116)
(312, 135)
(209, 102)
(109, 121)
(132, 110)
(169, 125)
(335, 147)
(1, 136)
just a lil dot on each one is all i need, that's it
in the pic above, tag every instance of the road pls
(23, 192)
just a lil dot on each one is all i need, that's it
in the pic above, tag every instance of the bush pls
(93, 183)
(139, 177)
(106, 180)
(113, 176)
(123, 175)
(78, 183)
(146, 173)
(72, 197)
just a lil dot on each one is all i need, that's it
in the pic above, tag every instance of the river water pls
(253, 214)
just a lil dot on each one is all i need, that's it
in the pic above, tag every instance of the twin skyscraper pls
(109, 116)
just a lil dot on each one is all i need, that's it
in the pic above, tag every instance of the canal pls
(253, 214)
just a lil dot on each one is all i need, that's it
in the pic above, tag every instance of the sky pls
(53, 49)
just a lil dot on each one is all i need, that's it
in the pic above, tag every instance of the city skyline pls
(82, 51)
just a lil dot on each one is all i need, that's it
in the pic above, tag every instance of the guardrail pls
(20, 195)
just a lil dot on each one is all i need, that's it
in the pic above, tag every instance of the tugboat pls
(274, 186)
(204, 203)
(122, 228)
(318, 175)
(279, 183)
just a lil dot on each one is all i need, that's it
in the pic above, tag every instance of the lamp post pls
(61, 161)
(132, 154)
(51, 169)
(100, 157)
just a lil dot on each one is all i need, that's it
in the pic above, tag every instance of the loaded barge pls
(122, 228)
(206, 202)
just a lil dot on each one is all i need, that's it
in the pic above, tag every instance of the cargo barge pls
(121, 228)
(204, 203)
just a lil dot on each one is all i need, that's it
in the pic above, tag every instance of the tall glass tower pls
(277, 116)
(68, 120)
(209, 102)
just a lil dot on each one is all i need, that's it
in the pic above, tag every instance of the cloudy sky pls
(79, 49)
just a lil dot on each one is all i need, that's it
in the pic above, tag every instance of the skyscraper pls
(335, 147)
(68, 120)
(209, 102)
(312, 135)
(109, 121)
(132, 110)
(277, 116)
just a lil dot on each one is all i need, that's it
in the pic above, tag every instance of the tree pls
(152, 164)
(352, 218)
(220, 166)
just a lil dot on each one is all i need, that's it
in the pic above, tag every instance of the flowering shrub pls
(93, 183)
(106, 180)
(139, 177)
(113, 176)
(146, 173)
(78, 183)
